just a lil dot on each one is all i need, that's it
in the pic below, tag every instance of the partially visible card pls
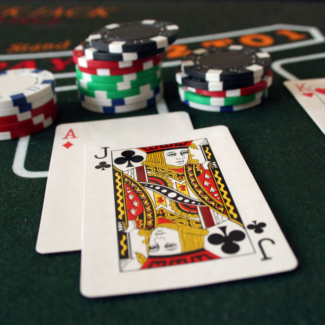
(60, 227)
(310, 94)
(173, 212)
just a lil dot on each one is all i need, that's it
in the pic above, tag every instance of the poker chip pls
(121, 78)
(120, 71)
(232, 108)
(218, 101)
(260, 86)
(135, 36)
(224, 79)
(29, 123)
(121, 101)
(118, 68)
(7, 111)
(122, 108)
(234, 62)
(16, 118)
(186, 80)
(86, 59)
(29, 130)
(22, 86)
(120, 85)
(118, 94)
(93, 54)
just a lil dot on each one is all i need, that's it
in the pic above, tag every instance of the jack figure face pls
(176, 157)
(164, 241)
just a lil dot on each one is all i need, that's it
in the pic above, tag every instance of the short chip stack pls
(27, 102)
(224, 79)
(119, 67)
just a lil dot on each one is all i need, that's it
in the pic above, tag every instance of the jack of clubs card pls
(173, 207)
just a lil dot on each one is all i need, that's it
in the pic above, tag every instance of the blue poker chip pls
(23, 86)
(122, 108)
(220, 109)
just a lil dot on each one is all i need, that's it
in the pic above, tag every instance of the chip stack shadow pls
(224, 79)
(118, 67)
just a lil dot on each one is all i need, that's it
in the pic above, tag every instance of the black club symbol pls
(258, 227)
(228, 246)
(129, 155)
(102, 165)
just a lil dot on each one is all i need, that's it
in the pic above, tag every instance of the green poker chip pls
(218, 101)
(120, 85)
(120, 78)
(119, 93)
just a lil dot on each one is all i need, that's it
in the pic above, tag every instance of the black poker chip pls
(138, 36)
(94, 54)
(234, 62)
(186, 80)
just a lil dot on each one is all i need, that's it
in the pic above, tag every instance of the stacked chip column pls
(224, 79)
(27, 102)
(118, 68)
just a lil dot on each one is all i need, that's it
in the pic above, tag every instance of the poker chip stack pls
(224, 79)
(27, 102)
(119, 66)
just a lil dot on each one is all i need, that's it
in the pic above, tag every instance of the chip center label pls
(10, 84)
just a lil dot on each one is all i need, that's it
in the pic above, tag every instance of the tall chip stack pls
(27, 102)
(224, 79)
(119, 66)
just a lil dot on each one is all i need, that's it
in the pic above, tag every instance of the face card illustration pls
(310, 94)
(188, 208)
(61, 220)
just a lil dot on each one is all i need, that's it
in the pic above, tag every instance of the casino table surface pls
(282, 146)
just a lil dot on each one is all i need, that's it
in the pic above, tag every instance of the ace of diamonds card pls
(181, 212)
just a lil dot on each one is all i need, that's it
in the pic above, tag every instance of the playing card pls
(175, 211)
(60, 227)
(310, 94)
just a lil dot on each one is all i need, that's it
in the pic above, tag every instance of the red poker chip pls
(10, 119)
(38, 119)
(30, 130)
(117, 72)
(80, 59)
(265, 83)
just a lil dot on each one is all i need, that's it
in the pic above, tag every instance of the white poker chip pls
(13, 110)
(122, 108)
(215, 108)
(22, 86)
(121, 101)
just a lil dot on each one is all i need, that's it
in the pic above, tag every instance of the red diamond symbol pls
(68, 144)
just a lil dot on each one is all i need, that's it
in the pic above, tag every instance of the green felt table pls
(282, 146)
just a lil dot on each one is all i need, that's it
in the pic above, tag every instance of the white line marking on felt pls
(18, 165)
(38, 55)
(162, 107)
(318, 37)
(22, 146)
(64, 75)
(65, 88)
(277, 65)
(315, 33)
